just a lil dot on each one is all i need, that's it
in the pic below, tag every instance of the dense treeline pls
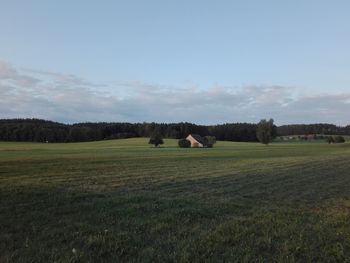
(35, 130)
(41, 131)
(305, 129)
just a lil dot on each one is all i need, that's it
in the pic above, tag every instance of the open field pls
(121, 200)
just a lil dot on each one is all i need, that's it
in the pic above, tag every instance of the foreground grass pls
(125, 201)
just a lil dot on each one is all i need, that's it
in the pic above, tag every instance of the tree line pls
(35, 130)
(305, 129)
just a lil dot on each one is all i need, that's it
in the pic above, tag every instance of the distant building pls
(311, 137)
(197, 141)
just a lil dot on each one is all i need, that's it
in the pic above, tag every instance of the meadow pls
(125, 201)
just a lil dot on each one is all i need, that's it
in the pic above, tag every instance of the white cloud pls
(68, 98)
(10, 74)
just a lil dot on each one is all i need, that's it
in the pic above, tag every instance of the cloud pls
(10, 74)
(64, 79)
(69, 98)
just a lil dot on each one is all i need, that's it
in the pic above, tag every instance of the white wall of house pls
(194, 142)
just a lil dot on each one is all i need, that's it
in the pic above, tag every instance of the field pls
(124, 201)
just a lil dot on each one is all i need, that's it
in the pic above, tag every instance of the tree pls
(265, 131)
(339, 139)
(183, 143)
(330, 139)
(211, 140)
(156, 138)
(335, 139)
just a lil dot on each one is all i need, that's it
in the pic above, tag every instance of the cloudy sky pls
(206, 62)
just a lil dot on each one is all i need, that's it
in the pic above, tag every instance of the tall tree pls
(265, 131)
(156, 138)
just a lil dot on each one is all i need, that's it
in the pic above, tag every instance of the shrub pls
(335, 139)
(183, 143)
(156, 139)
(211, 140)
(330, 139)
(339, 139)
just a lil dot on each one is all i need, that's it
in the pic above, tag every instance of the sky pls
(206, 62)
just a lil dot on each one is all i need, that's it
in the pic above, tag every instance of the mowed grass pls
(124, 201)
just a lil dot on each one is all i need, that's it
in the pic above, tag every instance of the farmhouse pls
(197, 141)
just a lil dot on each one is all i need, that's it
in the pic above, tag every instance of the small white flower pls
(74, 250)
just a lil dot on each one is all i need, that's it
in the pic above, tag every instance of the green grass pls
(124, 201)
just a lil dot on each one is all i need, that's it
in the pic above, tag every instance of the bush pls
(339, 139)
(156, 139)
(330, 139)
(211, 140)
(335, 139)
(183, 143)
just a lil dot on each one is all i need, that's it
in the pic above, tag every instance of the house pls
(197, 141)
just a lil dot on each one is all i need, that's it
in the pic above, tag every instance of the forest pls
(36, 130)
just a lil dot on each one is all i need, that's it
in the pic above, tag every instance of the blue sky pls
(276, 54)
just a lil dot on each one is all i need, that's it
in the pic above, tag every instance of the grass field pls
(121, 201)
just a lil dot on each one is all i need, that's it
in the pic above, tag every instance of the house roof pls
(199, 139)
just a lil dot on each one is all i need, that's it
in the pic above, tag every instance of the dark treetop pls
(35, 130)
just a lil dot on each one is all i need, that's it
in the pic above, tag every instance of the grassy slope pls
(125, 200)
